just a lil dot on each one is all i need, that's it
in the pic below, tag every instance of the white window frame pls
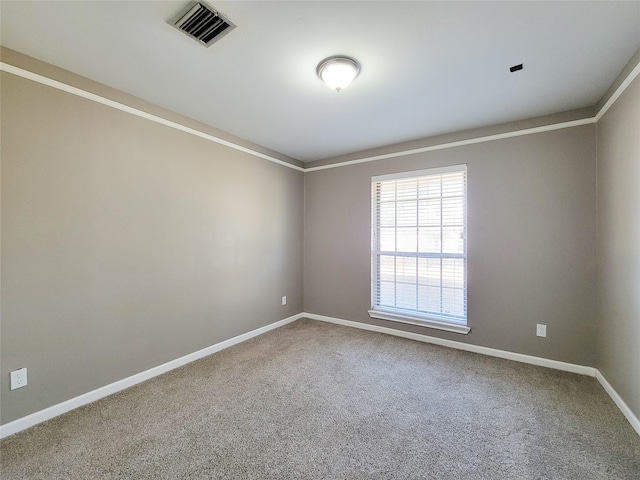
(437, 320)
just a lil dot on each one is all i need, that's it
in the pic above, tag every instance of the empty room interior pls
(320, 239)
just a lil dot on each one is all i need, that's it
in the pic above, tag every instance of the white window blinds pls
(419, 244)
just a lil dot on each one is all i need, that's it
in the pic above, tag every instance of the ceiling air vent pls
(203, 23)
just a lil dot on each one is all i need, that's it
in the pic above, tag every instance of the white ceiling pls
(427, 67)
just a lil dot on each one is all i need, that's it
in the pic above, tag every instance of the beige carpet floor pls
(318, 401)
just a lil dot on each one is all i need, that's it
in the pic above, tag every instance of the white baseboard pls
(518, 357)
(55, 410)
(626, 411)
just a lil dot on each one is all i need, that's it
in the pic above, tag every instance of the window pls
(419, 248)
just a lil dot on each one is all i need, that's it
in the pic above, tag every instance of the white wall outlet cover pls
(284, 300)
(19, 378)
(541, 330)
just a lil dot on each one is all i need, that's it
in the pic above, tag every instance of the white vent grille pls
(203, 24)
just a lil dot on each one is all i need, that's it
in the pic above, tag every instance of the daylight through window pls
(419, 246)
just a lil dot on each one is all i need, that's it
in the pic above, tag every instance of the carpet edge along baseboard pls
(89, 397)
(101, 392)
(492, 352)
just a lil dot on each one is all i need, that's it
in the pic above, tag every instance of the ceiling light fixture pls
(338, 71)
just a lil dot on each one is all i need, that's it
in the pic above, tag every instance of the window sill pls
(422, 322)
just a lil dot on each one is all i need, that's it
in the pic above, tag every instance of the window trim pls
(430, 320)
(420, 321)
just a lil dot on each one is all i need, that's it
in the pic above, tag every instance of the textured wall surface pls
(531, 241)
(618, 318)
(127, 244)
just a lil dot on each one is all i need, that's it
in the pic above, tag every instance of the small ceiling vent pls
(203, 23)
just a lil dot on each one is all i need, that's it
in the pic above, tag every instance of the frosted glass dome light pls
(338, 72)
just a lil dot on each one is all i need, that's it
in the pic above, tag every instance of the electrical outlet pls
(284, 300)
(541, 330)
(19, 378)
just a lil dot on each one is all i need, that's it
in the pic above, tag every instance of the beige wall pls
(127, 244)
(531, 241)
(618, 317)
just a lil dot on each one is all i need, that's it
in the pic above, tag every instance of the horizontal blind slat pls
(419, 244)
